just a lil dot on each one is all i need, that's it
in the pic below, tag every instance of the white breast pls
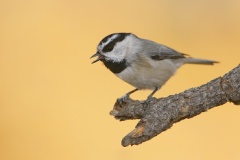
(149, 74)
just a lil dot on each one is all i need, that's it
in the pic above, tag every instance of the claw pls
(123, 99)
(147, 102)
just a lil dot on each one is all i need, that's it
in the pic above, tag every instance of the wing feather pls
(165, 53)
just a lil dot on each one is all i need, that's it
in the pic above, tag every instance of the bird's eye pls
(109, 48)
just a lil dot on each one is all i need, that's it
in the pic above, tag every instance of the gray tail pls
(199, 61)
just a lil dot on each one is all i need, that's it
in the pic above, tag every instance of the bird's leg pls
(149, 98)
(126, 96)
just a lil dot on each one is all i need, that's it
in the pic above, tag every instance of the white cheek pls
(116, 56)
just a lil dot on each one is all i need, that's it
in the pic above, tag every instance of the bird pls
(142, 63)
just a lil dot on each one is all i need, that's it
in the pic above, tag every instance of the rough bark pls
(162, 113)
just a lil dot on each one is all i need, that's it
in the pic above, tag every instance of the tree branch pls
(162, 113)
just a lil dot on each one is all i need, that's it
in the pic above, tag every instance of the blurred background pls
(54, 104)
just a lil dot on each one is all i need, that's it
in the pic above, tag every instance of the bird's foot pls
(147, 102)
(123, 99)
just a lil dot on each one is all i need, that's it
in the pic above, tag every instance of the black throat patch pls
(116, 67)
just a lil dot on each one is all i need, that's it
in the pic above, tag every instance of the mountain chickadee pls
(140, 62)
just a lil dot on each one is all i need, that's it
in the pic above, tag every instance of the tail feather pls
(199, 61)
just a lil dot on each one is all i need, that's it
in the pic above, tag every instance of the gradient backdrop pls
(54, 104)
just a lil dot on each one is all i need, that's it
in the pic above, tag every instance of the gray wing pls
(159, 52)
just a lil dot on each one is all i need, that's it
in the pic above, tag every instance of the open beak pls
(99, 57)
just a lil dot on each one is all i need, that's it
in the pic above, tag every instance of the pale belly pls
(150, 76)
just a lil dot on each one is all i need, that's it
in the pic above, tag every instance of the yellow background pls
(54, 104)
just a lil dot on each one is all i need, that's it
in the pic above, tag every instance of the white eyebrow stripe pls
(100, 47)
